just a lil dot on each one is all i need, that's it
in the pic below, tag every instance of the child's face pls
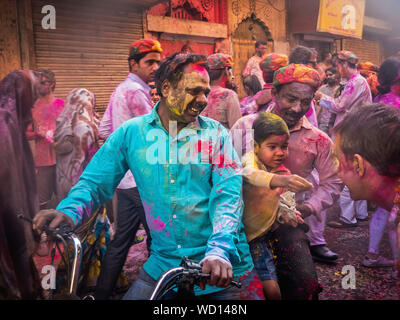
(273, 151)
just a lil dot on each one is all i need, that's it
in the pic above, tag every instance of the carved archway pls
(247, 33)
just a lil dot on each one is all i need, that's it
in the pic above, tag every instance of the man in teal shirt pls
(188, 177)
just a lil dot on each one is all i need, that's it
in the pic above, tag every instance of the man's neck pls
(351, 73)
(221, 82)
(165, 116)
(136, 75)
(47, 99)
(396, 89)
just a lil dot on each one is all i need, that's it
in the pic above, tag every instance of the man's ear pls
(359, 165)
(166, 85)
(134, 65)
(274, 92)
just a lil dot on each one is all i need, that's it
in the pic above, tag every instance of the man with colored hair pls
(223, 103)
(309, 149)
(131, 98)
(367, 146)
(192, 200)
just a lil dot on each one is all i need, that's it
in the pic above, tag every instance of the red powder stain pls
(218, 191)
(253, 288)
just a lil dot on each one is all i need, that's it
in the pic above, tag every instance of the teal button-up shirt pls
(190, 186)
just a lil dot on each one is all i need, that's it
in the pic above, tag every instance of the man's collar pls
(139, 80)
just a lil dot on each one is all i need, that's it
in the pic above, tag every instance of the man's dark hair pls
(332, 70)
(49, 75)
(300, 55)
(388, 72)
(136, 57)
(259, 43)
(171, 68)
(252, 82)
(268, 124)
(373, 131)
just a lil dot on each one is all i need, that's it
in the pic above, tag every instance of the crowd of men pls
(242, 186)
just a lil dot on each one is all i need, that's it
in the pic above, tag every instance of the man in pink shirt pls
(355, 92)
(309, 149)
(253, 65)
(131, 98)
(45, 112)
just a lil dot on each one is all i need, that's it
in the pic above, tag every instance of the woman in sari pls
(76, 141)
(18, 196)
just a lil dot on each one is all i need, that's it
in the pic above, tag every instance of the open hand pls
(291, 182)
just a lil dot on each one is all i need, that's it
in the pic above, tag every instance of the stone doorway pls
(244, 38)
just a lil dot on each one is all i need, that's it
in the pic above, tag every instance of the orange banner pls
(341, 17)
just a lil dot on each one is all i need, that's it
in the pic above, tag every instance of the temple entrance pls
(244, 38)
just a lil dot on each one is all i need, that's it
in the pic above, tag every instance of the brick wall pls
(366, 50)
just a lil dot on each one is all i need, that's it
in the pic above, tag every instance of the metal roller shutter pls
(89, 47)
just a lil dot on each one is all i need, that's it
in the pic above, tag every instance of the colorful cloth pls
(297, 73)
(144, 46)
(131, 98)
(248, 105)
(196, 208)
(44, 124)
(94, 235)
(223, 105)
(372, 80)
(389, 98)
(18, 193)
(273, 61)
(367, 66)
(253, 67)
(356, 91)
(76, 138)
(219, 61)
(369, 71)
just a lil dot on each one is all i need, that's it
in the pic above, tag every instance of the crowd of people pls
(242, 186)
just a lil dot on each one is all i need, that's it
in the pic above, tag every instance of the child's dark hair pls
(252, 82)
(373, 131)
(268, 124)
(171, 68)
